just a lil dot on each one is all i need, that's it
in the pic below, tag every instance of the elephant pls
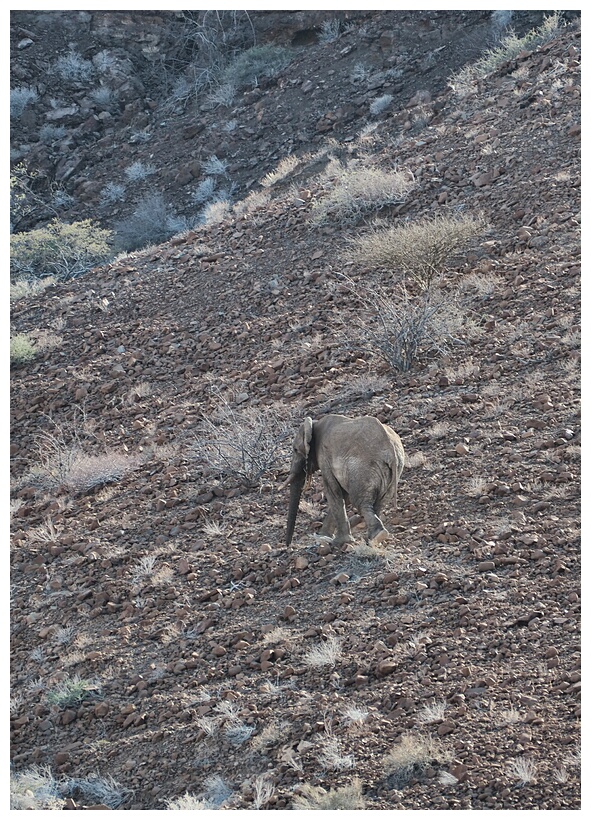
(360, 459)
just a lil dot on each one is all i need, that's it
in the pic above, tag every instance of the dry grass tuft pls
(359, 191)
(409, 758)
(315, 798)
(325, 654)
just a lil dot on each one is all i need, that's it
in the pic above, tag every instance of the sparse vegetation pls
(22, 349)
(73, 68)
(411, 755)
(325, 654)
(247, 444)
(35, 789)
(213, 166)
(20, 98)
(70, 692)
(152, 222)
(65, 461)
(421, 250)
(359, 191)
(510, 46)
(380, 104)
(112, 192)
(60, 249)
(138, 171)
(315, 798)
(522, 769)
(255, 63)
(330, 30)
(284, 168)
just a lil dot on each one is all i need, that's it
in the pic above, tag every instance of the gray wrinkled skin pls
(361, 461)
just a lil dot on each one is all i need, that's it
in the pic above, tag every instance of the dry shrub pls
(315, 798)
(411, 756)
(247, 443)
(400, 327)
(421, 250)
(361, 190)
(64, 461)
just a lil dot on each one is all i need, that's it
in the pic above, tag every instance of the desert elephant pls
(361, 461)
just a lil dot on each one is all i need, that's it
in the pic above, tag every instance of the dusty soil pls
(465, 628)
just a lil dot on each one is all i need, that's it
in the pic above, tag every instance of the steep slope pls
(169, 589)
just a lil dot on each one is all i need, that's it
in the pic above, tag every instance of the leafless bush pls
(399, 327)
(360, 190)
(243, 443)
(65, 460)
(152, 222)
(421, 250)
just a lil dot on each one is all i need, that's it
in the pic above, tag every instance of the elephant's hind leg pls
(376, 531)
(337, 514)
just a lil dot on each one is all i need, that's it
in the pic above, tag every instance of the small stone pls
(486, 566)
(386, 667)
(341, 578)
(301, 562)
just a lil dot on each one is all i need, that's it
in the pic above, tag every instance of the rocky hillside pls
(168, 650)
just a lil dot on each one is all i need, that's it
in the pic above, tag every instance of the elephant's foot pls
(378, 537)
(340, 540)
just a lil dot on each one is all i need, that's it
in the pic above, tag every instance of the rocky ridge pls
(199, 660)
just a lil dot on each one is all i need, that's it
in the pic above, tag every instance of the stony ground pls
(448, 675)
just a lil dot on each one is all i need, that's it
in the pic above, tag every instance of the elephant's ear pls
(308, 430)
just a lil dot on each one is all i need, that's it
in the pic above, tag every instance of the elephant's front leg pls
(328, 525)
(337, 514)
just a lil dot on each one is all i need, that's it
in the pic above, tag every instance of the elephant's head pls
(303, 464)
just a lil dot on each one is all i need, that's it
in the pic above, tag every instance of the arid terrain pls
(168, 649)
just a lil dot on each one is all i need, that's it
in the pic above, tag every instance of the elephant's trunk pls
(296, 486)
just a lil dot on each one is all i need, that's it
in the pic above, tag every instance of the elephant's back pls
(366, 436)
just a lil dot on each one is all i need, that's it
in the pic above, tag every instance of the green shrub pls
(256, 62)
(59, 249)
(421, 250)
(22, 349)
(70, 692)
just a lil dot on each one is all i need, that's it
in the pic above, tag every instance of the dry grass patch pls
(315, 798)
(411, 756)
(325, 654)
(360, 190)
